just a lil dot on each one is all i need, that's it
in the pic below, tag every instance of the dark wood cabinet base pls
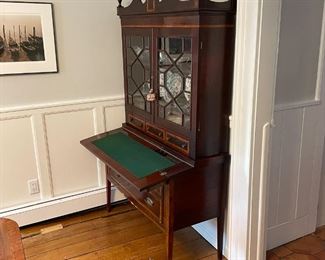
(196, 195)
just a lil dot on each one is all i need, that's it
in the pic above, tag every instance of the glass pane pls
(185, 65)
(148, 107)
(164, 60)
(145, 58)
(138, 100)
(146, 42)
(164, 96)
(162, 79)
(138, 73)
(130, 56)
(145, 89)
(174, 114)
(175, 45)
(138, 70)
(187, 121)
(175, 80)
(131, 86)
(184, 103)
(137, 44)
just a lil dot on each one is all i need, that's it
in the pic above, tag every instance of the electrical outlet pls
(33, 186)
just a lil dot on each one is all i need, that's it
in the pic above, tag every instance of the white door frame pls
(253, 104)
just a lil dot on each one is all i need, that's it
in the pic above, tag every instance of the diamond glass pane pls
(164, 60)
(184, 103)
(174, 82)
(131, 57)
(145, 59)
(162, 79)
(173, 113)
(137, 44)
(138, 73)
(145, 89)
(185, 65)
(138, 100)
(164, 96)
(131, 86)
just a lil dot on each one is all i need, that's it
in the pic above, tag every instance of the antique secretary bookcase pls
(171, 156)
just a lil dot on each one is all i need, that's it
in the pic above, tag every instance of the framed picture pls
(27, 39)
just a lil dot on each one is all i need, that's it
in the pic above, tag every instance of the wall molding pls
(118, 100)
(86, 117)
(297, 105)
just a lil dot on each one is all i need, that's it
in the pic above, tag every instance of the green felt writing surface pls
(132, 155)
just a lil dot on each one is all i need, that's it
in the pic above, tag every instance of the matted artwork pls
(27, 42)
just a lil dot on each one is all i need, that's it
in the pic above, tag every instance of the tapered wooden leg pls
(222, 209)
(169, 207)
(221, 224)
(108, 190)
(169, 244)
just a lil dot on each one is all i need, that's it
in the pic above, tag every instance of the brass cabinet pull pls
(151, 96)
(149, 201)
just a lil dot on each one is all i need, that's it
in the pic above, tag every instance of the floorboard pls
(122, 234)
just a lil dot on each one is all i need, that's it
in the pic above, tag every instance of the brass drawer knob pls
(149, 201)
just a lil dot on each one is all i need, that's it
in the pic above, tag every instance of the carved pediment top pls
(138, 7)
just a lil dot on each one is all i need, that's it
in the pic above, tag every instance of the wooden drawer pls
(149, 201)
(155, 132)
(178, 143)
(136, 122)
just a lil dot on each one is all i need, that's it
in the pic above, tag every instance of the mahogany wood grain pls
(11, 247)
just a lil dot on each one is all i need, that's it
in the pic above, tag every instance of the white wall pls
(43, 117)
(88, 39)
(321, 204)
(298, 50)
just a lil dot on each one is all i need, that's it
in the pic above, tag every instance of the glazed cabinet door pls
(175, 56)
(137, 49)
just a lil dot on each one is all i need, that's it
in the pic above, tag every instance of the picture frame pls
(27, 38)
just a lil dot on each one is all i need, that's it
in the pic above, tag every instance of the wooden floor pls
(122, 234)
(311, 247)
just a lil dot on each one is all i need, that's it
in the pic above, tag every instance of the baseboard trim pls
(60, 207)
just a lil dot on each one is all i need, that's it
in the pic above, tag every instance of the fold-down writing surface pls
(138, 159)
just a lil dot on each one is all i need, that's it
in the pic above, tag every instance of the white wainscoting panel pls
(72, 169)
(291, 134)
(42, 142)
(114, 116)
(294, 174)
(17, 160)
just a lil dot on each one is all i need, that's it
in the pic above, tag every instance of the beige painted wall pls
(321, 204)
(89, 53)
(83, 99)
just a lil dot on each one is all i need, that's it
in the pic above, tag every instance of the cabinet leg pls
(169, 244)
(221, 224)
(108, 190)
(224, 197)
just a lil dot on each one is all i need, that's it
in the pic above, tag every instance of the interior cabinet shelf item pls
(171, 156)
